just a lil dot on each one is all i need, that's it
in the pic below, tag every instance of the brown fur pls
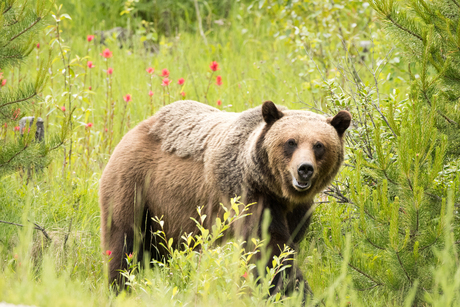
(190, 155)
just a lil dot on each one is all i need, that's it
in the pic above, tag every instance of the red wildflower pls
(107, 53)
(110, 70)
(90, 38)
(219, 102)
(106, 129)
(108, 252)
(166, 82)
(90, 88)
(90, 64)
(182, 94)
(3, 82)
(63, 109)
(127, 97)
(245, 275)
(150, 70)
(38, 45)
(219, 80)
(180, 81)
(130, 256)
(165, 73)
(150, 93)
(89, 125)
(16, 128)
(214, 66)
(16, 113)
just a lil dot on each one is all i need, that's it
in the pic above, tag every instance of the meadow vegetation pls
(384, 234)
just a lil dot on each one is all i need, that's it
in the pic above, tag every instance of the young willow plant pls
(199, 268)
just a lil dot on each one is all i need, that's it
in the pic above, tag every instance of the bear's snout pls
(305, 171)
(302, 180)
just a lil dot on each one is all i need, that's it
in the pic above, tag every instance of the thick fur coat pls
(190, 154)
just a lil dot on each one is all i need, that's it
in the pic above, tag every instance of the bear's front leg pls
(291, 279)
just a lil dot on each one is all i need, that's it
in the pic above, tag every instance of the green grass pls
(255, 66)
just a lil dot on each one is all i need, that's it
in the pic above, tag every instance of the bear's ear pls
(270, 112)
(340, 122)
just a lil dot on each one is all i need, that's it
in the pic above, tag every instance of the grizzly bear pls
(190, 154)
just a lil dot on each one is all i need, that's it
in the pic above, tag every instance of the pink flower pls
(182, 94)
(90, 88)
(108, 252)
(219, 80)
(245, 275)
(219, 102)
(180, 81)
(165, 73)
(89, 125)
(150, 70)
(107, 53)
(130, 256)
(214, 66)
(90, 64)
(16, 113)
(17, 128)
(127, 97)
(63, 109)
(90, 38)
(110, 70)
(166, 82)
(38, 45)
(150, 93)
(106, 129)
(3, 82)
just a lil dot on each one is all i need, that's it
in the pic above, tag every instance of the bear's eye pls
(291, 143)
(318, 145)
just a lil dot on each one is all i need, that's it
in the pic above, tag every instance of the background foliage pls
(384, 233)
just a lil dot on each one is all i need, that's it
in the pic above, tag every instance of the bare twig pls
(38, 227)
(68, 232)
(42, 230)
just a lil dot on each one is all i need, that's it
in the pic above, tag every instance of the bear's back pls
(186, 128)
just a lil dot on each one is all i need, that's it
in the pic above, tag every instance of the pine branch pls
(6, 11)
(431, 244)
(456, 3)
(402, 266)
(365, 289)
(373, 244)
(19, 100)
(402, 28)
(14, 156)
(439, 112)
(23, 31)
(364, 274)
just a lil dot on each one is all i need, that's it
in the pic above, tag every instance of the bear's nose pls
(305, 171)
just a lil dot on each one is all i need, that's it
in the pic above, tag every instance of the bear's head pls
(304, 150)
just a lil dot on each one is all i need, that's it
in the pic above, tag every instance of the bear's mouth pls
(301, 186)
